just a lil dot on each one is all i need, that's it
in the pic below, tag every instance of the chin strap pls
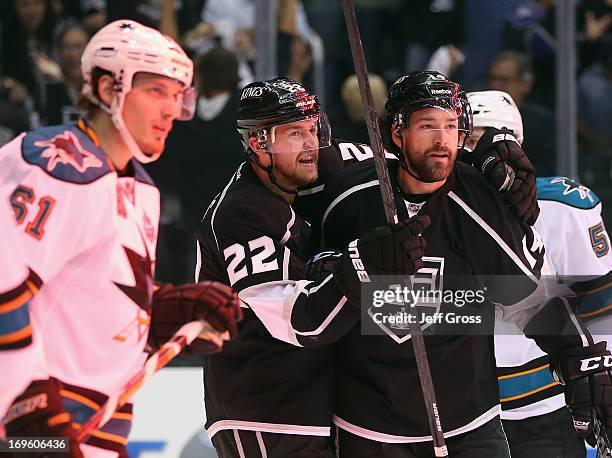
(270, 171)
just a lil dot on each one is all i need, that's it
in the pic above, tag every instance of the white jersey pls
(578, 252)
(90, 237)
(16, 349)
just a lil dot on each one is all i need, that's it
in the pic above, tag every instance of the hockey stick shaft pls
(388, 199)
(603, 445)
(167, 352)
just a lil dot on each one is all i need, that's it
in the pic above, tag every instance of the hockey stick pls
(168, 351)
(418, 343)
(603, 445)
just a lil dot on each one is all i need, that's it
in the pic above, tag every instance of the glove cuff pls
(167, 316)
(41, 401)
(350, 273)
(578, 363)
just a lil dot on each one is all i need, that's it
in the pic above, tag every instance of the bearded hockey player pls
(88, 215)
(265, 395)
(473, 235)
(534, 415)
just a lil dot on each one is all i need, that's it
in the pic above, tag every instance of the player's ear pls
(106, 89)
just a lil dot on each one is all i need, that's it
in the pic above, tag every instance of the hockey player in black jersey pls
(264, 394)
(379, 408)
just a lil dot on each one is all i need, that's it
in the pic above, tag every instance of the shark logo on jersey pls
(419, 296)
(66, 149)
(141, 293)
(142, 267)
(571, 186)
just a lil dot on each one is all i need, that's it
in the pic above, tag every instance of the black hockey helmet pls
(419, 90)
(265, 104)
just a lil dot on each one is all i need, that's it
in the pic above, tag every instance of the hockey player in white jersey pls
(87, 216)
(577, 249)
(16, 290)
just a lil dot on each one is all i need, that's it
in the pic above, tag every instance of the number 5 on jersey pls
(21, 199)
(259, 249)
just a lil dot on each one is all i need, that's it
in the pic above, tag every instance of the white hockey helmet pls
(125, 48)
(496, 109)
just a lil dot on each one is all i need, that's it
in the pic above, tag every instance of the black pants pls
(486, 441)
(237, 443)
(551, 435)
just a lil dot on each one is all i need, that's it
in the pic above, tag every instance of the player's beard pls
(428, 169)
(296, 178)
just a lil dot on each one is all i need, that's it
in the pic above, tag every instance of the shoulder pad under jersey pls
(566, 191)
(66, 153)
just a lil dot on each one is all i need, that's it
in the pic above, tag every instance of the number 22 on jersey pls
(22, 199)
(237, 253)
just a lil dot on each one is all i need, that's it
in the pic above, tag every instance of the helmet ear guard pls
(262, 138)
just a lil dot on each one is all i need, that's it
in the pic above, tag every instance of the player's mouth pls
(160, 131)
(440, 154)
(309, 160)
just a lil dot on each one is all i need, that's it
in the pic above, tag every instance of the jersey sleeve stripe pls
(82, 403)
(34, 282)
(595, 290)
(314, 190)
(339, 199)
(523, 394)
(328, 319)
(289, 226)
(599, 311)
(14, 304)
(15, 298)
(286, 258)
(110, 437)
(581, 330)
(494, 235)
(16, 339)
(221, 197)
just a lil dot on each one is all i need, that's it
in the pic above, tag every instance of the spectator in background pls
(201, 159)
(350, 124)
(511, 72)
(484, 23)
(231, 23)
(62, 95)
(597, 33)
(382, 39)
(26, 44)
(531, 29)
(595, 113)
(429, 25)
(171, 17)
(14, 115)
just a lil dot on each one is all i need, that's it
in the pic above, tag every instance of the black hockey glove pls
(173, 306)
(386, 250)
(585, 372)
(499, 156)
(39, 412)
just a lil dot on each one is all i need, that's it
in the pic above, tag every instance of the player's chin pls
(155, 147)
(304, 177)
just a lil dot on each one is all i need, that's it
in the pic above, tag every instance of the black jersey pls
(252, 239)
(472, 234)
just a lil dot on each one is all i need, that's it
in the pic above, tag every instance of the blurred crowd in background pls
(506, 45)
